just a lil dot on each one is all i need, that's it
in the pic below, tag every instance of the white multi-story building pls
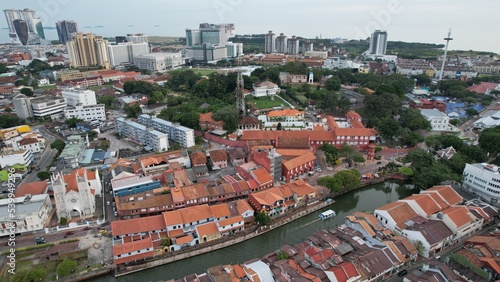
(77, 96)
(234, 49)
(125, 52)
(35, 143)
(141, 134)
(439, 120)
(177, 133)
(483, 180)
(270, 42)
(86, 113)
(44, 106)
(31, 214)
(158, 61)
(137, 38)
(74, 193)
(10, 157)
(265, 88)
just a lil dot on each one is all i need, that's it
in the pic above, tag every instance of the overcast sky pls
(474, 24)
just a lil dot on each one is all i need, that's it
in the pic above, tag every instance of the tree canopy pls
(66, 267)
(489, 140)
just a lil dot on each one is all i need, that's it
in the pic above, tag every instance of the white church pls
(74, 193)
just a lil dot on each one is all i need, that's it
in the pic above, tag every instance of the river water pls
(365, 199)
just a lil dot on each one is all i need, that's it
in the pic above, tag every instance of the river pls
(364, 199)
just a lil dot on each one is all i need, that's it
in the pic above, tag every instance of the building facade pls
(79, 97)
(74, 193)
(141, 134)
(125, 52)
(86, 113)
(281, 44)
(483, 180)
(158, 61)
(439, 120)
(177, 133)
(65, 30)
(44, 106)
(378, 43)
(10, 157)
(270, 42)
(88, 50)
(32, 213)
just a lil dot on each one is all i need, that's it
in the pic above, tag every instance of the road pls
(43, 163)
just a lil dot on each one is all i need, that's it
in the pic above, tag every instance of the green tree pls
(349, 178)
(282, 255)
(489, 140)
(358, 158)
(471, 112)
(166, 241)
(27, 91)
(330, 182)
(279, 126)
(3, 68)
(411, 138)
(8, 110)
(389, 128)
(386, 104)
(413, 120)
(107, 101)
(43, 175)
(406, 171)
(58, 145)
(455, 122)
(333, 83)
(63, 221)
(38, 274)
(474, 153)
(72, 122)
(132, 111)
(92, 134)
(143, 87)
(21, 276)
(7, 121)
(262, 218)
(66, 267)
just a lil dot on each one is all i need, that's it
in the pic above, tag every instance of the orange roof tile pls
(198, 158)
(207, 229)
(175, 233)
(447, 193)
(218, 155)
(292, 152)
(220, 210)
(400, 212)
(366, 227)
(195, 213)
(286, 113)
(243, 206)
(230, 221)
(132, 246)
(300, 160)
(239, 271)
(268, 197)
(137, 225)
(184, 240)
(459, 215)
(195, 191)
(426, 202)
(172, 218)
(32, 188)
(262, 176)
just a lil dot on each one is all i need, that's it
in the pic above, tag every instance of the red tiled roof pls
(400, 212)
(447, 193)
(459, 215)
(218, 155)
(300, 160)
(207, 229)
(32, 188)
(483, 87)
(132, 246)
(198, 158)
(426, 202)
(195, 213)
(137, 225)
(220, 210)
(262, 176)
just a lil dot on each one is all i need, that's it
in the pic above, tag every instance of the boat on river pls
(327, 214)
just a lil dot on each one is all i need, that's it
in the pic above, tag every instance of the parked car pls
(69, 233)
(105, 223)
(86, 228)
(40, 240)
(108, 203)
(402, 273)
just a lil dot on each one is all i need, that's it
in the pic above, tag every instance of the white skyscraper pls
(378, 43)
(270, 42)
(34, 24)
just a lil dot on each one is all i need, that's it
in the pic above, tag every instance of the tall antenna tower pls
(445, 52)
(240, 95)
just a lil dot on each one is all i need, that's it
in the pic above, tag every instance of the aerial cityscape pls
(219, 149)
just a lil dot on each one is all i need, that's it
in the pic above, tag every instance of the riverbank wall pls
(249, 233)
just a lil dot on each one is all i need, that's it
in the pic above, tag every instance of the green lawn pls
(47, 87)
(265, 102)
(301, 97)
(204, 71)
